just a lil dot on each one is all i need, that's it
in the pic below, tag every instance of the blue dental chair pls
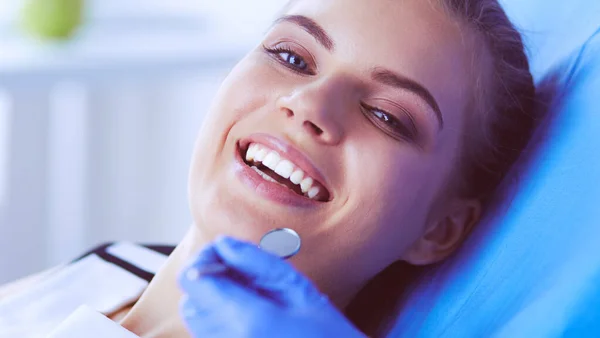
(532, 269)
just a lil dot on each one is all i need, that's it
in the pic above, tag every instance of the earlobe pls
(443, 237)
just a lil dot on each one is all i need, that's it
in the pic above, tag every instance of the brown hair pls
(503, 122)
(498, 132)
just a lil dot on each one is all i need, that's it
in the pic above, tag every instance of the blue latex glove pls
(259, 296)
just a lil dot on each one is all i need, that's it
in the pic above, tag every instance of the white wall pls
(96, 133)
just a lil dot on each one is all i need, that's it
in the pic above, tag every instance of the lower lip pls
(269, 190)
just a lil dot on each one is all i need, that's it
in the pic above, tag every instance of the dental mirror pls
(282, 242)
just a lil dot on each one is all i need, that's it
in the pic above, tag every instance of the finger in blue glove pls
(268, 298)
(267, 272)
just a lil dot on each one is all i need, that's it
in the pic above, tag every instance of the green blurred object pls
(52, 19)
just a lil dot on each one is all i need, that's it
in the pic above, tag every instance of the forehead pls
(412, 37)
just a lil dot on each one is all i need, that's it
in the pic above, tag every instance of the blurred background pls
(99, 110)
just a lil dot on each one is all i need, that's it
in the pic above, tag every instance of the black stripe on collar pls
(101, 252)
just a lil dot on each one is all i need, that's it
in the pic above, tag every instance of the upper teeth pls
(283, 167)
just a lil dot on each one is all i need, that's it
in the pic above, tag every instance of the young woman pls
(378, 130)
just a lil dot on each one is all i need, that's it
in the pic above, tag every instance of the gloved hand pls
(260, 295)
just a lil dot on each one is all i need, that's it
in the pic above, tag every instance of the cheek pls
(389, 195)
(391, 190)
(249, 87)
(246, 89)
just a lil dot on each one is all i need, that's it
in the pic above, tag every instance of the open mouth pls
(275, 168)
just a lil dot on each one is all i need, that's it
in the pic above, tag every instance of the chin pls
(216, 212)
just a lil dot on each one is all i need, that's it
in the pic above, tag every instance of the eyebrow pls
(381, 75)
(389, 78)
(310, 26)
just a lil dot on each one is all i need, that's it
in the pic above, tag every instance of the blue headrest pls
(553, 29)
(532, 269)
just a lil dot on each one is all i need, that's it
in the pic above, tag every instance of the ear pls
(445, 234)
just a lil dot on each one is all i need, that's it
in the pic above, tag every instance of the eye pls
(290, 59)
(386, 118)
(294, 60)
(390, 124)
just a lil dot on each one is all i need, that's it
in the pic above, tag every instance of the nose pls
(316, 110)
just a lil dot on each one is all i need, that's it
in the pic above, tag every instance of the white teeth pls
(272, 160)
(297, 176)
(306, 184)
(284, 169)
(251, 152)
(313, 192)
(260, 154)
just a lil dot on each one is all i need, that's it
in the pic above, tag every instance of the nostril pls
(289, 113)
(318, 131)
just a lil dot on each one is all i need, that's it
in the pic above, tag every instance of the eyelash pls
(387, 122)
(390, 124)
(276, 51)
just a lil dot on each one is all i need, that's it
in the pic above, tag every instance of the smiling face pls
(344, 124)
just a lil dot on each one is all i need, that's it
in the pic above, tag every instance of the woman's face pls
(368, 99)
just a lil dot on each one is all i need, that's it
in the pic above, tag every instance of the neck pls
(156, 313)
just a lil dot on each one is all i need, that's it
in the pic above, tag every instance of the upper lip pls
(288, 151)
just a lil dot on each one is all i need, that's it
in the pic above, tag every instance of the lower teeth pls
(268, 178)
(263, 175)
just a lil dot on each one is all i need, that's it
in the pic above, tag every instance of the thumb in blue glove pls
(260, 295)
